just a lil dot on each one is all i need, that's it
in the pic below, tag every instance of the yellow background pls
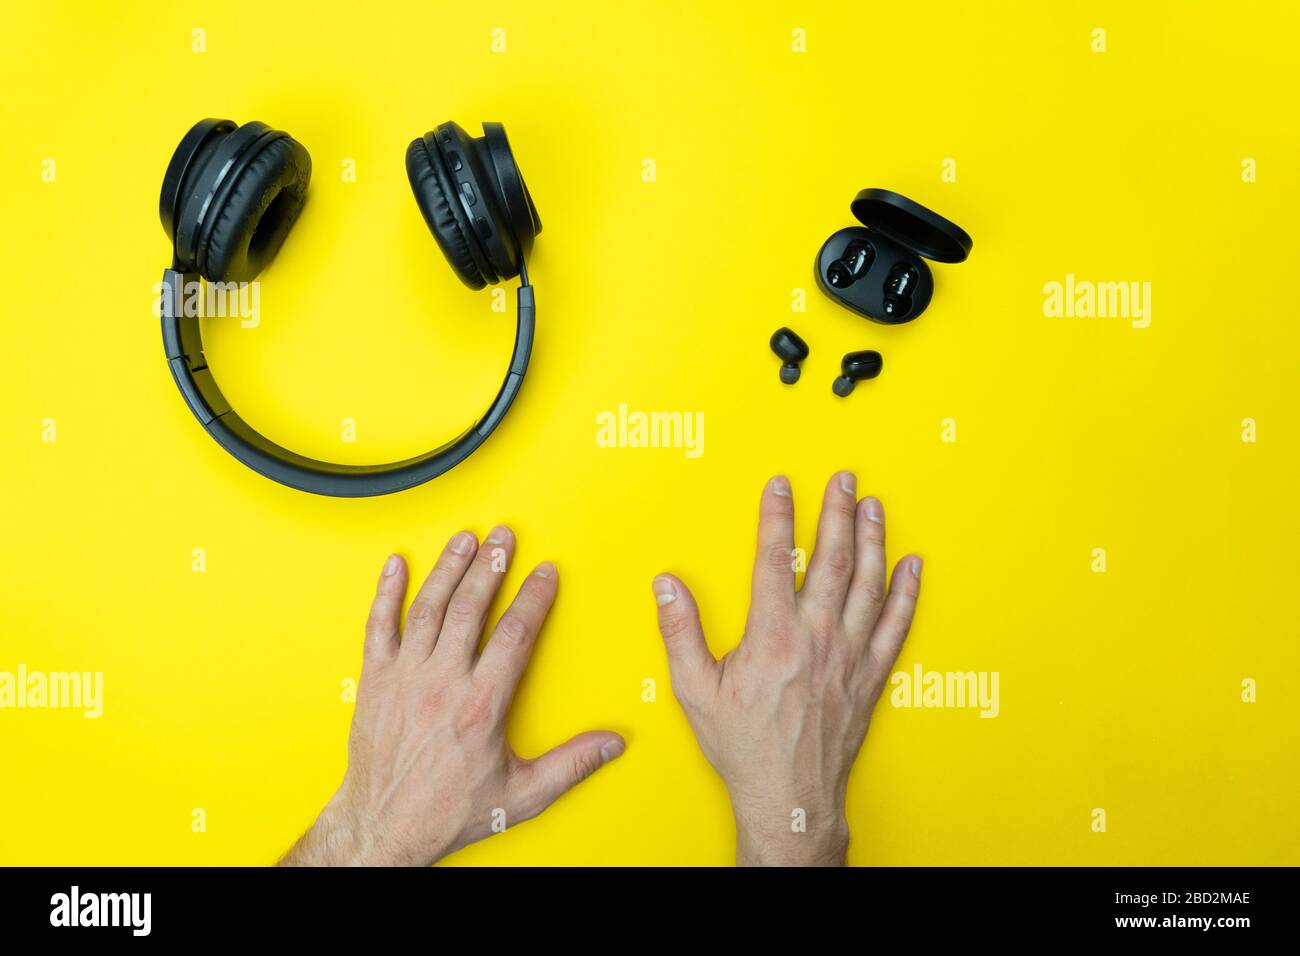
(1119, 691)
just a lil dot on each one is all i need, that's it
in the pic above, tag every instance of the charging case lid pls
(924, 232)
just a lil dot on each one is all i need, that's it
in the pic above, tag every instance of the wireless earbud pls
(900, 282)
(857, 367)
(853, 265)
(791, 350)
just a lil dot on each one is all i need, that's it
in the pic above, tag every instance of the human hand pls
(781, 718)
(429, 768)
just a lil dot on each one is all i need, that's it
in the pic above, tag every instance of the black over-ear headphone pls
(229, 198)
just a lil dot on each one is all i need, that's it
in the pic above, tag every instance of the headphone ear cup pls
(195, 149)
(519, 214)
(258, 211)
(427, 185)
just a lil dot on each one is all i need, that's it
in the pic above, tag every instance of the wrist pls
(791, 833)
(341, 836)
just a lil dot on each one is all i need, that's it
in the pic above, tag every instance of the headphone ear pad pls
(256, 216)
(437, 212)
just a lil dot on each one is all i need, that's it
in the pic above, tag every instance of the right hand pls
(781, 718)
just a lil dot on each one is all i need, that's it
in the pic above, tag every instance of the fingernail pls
(872, 509)
(848, 482)
(611, 750)
(499, 534)
(780, 486)
(916, 568)
(544, 570)
(665, 591)
(391, 565)
(461, 542)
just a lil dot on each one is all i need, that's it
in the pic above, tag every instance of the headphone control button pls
(453, 160)
(468, 192)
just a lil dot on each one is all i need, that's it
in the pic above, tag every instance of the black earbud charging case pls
(878, 269)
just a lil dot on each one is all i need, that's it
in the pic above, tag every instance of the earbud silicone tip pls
(791, 350)
(857, 367)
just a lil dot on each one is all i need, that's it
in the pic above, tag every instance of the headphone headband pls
(230, 195)
(184, 347)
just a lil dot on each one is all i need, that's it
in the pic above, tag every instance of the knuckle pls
(422, 614)
(778, 558)
(872, 592)
(474, 715)
(462, 610)
(903, 613)
(430, 704)
(777, 506)
(882, 654)
(674, 625)
(779, 637)
(583, 764)
(839, 561)
(822, 624)
(904, 592)
(872, 532)
(776, 627)
(513, 631)
(447, 569)
(845, 509)
(536, 590)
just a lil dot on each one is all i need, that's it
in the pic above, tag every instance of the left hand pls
(429, 767)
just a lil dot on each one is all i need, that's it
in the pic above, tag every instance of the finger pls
(690, 662)
(831, 566)
(424, 618)
(772, 590)
(867, 588)
(382, 634)
(895, 620)
(539, 783)
(511, 644)
(462, 626)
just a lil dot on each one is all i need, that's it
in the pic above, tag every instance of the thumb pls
(547, 778)
(689, 657)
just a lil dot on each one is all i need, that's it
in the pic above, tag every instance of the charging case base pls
(877, 269)
(866, 295)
